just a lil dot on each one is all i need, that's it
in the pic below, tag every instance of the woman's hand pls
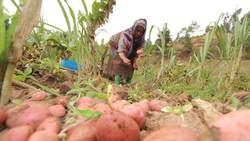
(135, 66)
(140, 52)
(126, 61)
(124, 58)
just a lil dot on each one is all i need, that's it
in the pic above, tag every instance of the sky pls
(176, 13)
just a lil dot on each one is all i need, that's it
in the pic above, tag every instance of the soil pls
(197, 119)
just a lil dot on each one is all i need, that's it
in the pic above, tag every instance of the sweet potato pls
(38, 96)
(144, 104)
(63, 100)
(3, 115)
(57, 110)
(83, 132)
(86, 101)
(51, 124)
(29, 114)
(102, 107)
(234, 126)
(114, 98)
(44, 135)
(118, 105)
(174, 133)
(117, 126)
(20, 133)
(136, 113)
(156, 105)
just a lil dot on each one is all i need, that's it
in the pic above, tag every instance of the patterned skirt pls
(116, 66)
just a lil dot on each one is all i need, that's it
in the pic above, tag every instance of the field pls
(194, 88)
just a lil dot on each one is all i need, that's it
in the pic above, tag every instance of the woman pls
(125, 47)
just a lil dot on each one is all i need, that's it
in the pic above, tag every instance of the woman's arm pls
(121, 49)
(124, 58)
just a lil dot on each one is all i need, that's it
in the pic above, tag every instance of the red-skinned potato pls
(20, 133)
(83, 132)
(3, 115)
(118, 105)
(28, 114)
(57, 110)
(38, 96)
(156, 105)
(144, 104)
(135, 112)
(114, 98)
(51, 124)
(172, 133)
(234, 126)
(86, 101)
(102, 107)
(44, 135)
(117, 126)
(63, 100)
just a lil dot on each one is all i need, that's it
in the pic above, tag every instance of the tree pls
(227, 20)
(185, 34)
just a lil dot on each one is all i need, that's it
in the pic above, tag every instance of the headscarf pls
(128, 40)
(127, 37)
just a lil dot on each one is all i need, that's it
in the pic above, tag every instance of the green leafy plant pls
(12, 40)
(89, 114)
(161, 45)
(231, 46)
(179, 110)
(82, 37)
(23, 75)
(201, 56)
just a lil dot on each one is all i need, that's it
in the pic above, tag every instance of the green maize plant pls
(231, 45)
(200, 57)
(162, 49)
(12, 40)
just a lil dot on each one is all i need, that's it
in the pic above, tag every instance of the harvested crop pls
(63, 100)
(51, 124)
(234, 126)
(118, 105)
(117, 126)
(83, 132)
(144, 104)
(3, 115)
(102, 107)
(135, 112)
(38, 96)
(44, 135)
(86, 101)
(29, 114)
(156, 105)
(20, 133)
(57, 110)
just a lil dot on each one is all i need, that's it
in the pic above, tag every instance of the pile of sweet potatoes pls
(35, 120)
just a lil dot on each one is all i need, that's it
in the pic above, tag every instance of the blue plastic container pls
(69, 64)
